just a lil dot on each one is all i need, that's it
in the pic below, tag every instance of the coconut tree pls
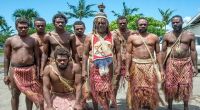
(29, 14)
(166, 15)
(2, 22)
(80, 11)
(126, 11)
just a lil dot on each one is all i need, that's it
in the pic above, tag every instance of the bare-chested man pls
(58, 37)
(180, 63)
(140, 68)
(62, 82)
(103, 46)
(40, 25)
(22, 61)
(79, 29)
(123, 33)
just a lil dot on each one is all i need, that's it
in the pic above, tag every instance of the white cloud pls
(186, 20)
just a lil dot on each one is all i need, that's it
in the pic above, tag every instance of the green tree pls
(126, 11)
(80, 11)
(166, 15)
(5, 30)
(155, 26)
(29, 14)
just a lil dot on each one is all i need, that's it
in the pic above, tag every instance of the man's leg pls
(186, 105)
(95, 104)
(29, 104)
(170, 104)
(15, 92)
(116, 87)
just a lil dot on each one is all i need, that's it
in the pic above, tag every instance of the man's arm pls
(193, 53)
(117, 50)
(37, 57)
(7, 57)
(78, 82)
(74, 51)
(45, 54)
(129, 48)
(46, 86)
(158, 53)
(86, 51)
(164, 51)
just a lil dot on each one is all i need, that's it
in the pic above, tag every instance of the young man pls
(123, 33)
(180, 56)
(62, 83)
(21, 59)
(58, 37)
(140, 67)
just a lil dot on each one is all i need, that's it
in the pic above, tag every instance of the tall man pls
(21, 59)
(58, 37)
(180, 61)
(123, 33)
(103, 46)
(63, 79)
(40, 34)
(140, 67)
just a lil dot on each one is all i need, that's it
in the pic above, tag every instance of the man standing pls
(58, 37)
(180, 62)
(79, 29)
(141, 67)
(62, 82)
(123, 33)
(40, 25)
(21, 59)
(103, 46)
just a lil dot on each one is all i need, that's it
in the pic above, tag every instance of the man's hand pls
(195, 71)
(78, 107)
(127, 76)
(50, 108)
(84, 75)
(6, 80)
(117, 71)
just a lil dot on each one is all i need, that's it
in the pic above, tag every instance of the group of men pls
(59, 70)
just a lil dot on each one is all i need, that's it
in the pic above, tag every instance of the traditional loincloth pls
(101, 86)
(178, 79)
(25, 79)
(62, 101)
(143, 85)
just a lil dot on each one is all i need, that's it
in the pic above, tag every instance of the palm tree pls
(29, 14)
(80, 11)
(126, 11)
(166, 16)
(2, 22)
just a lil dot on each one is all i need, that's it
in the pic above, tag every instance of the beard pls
(142, 30)
(177, 28)
(62, 67)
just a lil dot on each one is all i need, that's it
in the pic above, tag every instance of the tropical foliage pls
(126, 11)
(155, 26)
(80, 11)
(29, 14)
(166, 15)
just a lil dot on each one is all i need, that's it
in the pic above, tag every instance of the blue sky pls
(47, 8)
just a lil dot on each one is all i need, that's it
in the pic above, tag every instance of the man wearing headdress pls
(103, 46)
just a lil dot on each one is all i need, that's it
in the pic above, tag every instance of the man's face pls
(142, 25)
(62, 61)
(40, 26)
(101, 25)
(177, 24)
(79, 30)
(22, 29)
(122, 24)
(59, 23)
